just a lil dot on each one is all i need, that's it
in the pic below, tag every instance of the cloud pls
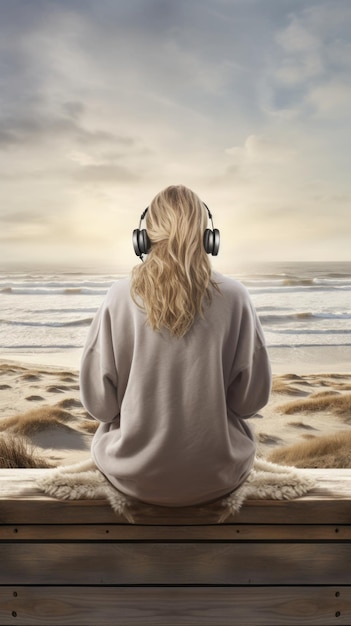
(105, 173)
(297, 38)
(296, 71)
(313, 44)
(259, 150)
(105, 103)
(331, 99)
(30, 128)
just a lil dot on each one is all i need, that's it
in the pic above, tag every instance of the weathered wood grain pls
(22, 503)
(274, 564)
(175, 606)
(202, 532)
(194, 563)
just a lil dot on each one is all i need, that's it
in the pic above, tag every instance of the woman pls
(174, 363)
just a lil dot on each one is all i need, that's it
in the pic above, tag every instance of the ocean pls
(299, 305)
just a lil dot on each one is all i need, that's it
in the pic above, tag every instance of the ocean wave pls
(276, 283)
(340, 275)
(310, 331)
(62, 310)
(301, 282)
(271, 307)
(59, 284)
(65, 291)
(308, 345)
(72, 290)
(295, 281)
(302, 289)
(67, 324)
(40, 347)
(304, 315)
(280, 281)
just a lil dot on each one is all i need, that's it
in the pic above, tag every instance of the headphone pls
(142, 243)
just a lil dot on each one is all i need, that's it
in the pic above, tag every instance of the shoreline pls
(57, 360)
(311, 359)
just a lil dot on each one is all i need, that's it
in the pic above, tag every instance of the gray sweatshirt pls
(172, 411)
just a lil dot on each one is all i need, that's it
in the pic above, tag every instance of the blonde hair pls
(175, 279)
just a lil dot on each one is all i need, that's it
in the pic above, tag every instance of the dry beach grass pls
(332, 401)
(306, 423)
(320, 435)
(332, 450)
(40, 407)
(18, 452)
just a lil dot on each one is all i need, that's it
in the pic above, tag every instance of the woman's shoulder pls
(119, 291)
(231, 287)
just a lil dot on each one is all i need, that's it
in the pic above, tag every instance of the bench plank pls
(275, 563)
(201, 563)
(22, 503)
(138, 532)
(175, 606)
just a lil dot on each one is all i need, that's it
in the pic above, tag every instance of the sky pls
(103, 104)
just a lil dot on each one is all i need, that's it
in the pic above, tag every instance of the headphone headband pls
(143, 215)
(142, 244)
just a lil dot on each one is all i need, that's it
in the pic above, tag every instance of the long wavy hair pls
(175, 281)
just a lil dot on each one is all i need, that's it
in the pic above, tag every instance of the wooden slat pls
(305, 542)
(172, 606)
(136, 532)
(131, 563)
(48, 511)
(332, 479)
(301, 511)
(22, 503)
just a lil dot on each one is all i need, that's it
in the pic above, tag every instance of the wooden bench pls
(76, 563)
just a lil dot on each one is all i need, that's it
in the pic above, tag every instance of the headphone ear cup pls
(211, 241)
(138, 242)
(141, 241)
(216, 240)
(144, 241)
(137, 250)
(208, 240)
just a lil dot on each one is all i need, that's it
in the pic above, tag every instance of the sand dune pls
(56, 429)
(320, 436)
(306, 423)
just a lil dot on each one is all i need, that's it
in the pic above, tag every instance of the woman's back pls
(173, 409)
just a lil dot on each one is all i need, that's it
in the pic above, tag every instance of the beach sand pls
(41, 404)
(40, 407)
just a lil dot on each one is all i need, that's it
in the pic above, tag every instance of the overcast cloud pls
(248, 102)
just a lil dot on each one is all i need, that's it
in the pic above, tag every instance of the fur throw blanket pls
(265, 481)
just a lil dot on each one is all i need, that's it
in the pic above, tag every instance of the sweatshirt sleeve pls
(251, 378)
(98, 375)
